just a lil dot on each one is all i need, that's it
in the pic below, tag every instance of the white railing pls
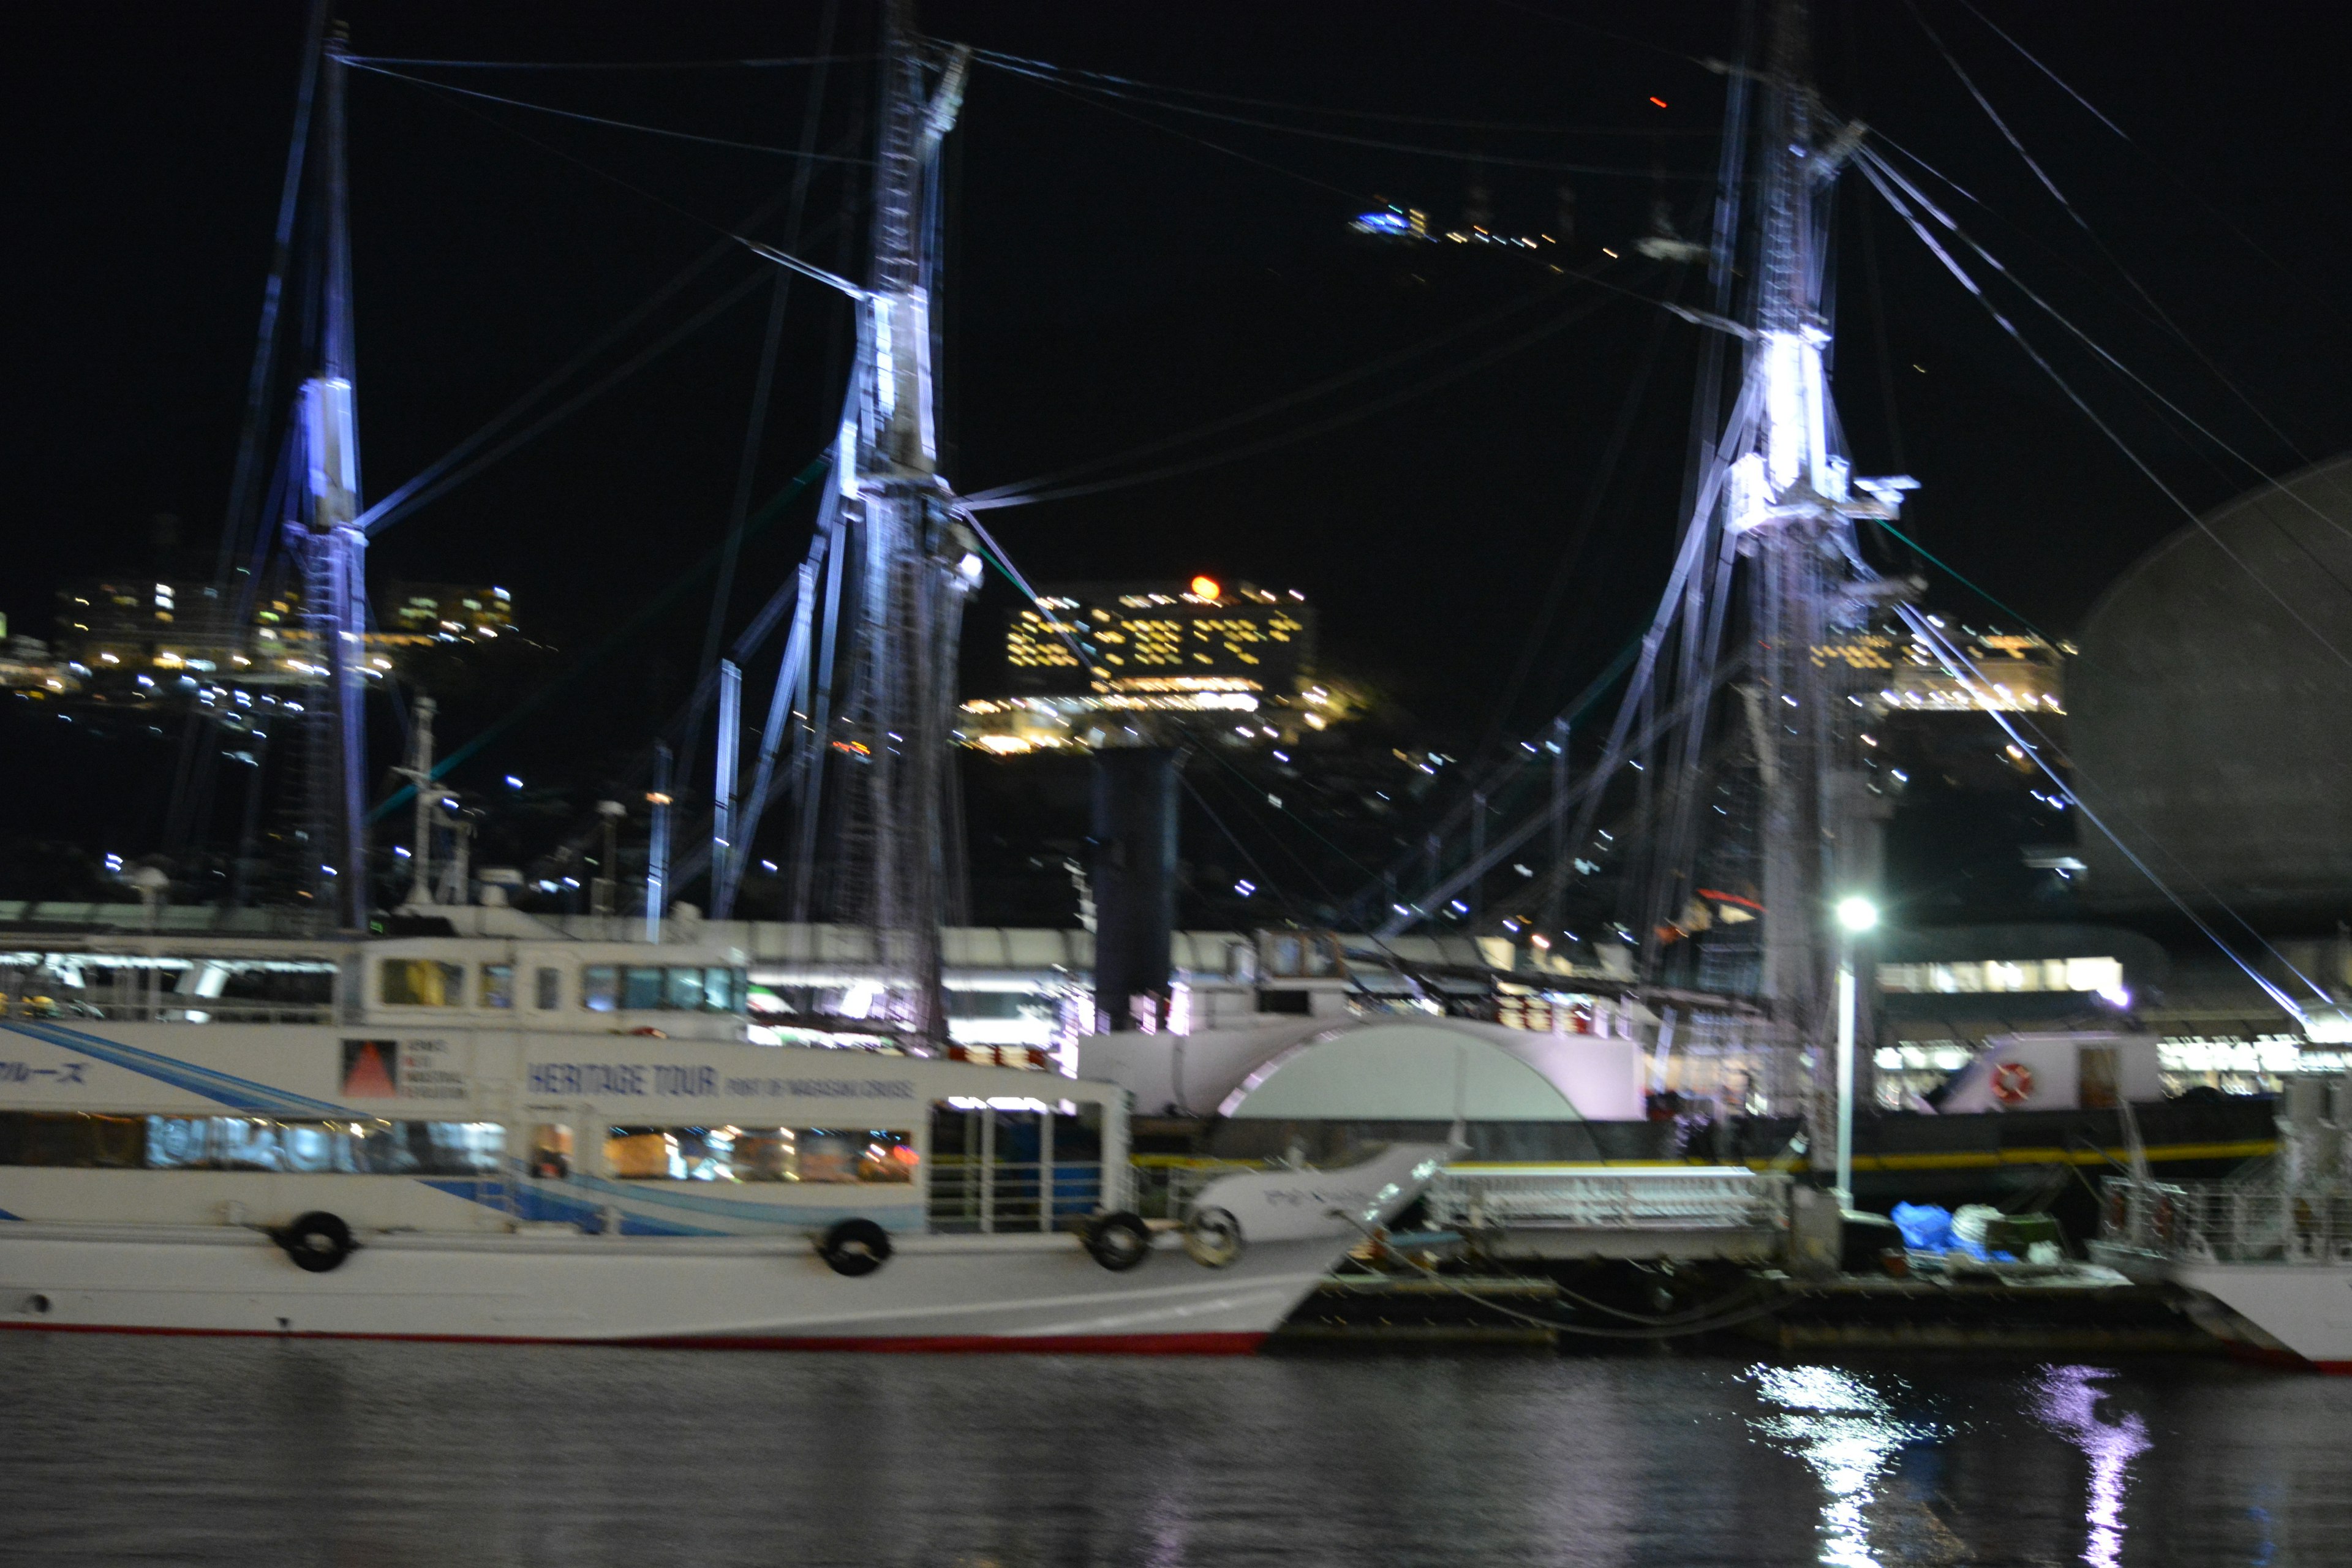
(166, 1008)
(2229, 1222)
(1582, 1198)
(970, 1194)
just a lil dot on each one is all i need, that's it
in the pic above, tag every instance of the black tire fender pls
(1119, 1241)
(1213, 1237)
(318, 1242)
(855, 1247)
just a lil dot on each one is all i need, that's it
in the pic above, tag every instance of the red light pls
(1656, 100)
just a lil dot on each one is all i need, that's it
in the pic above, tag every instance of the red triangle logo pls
(366, 1075)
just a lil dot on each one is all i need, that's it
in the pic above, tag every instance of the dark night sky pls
(1114, 281)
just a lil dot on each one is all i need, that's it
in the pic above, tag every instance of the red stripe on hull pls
(1032, 1344)
(2287, 1361)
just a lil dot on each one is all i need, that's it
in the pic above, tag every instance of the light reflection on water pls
(2068, 1403)
(366, 1456)
(1848, 1433)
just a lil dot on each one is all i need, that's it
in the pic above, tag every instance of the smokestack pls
(1134, 881)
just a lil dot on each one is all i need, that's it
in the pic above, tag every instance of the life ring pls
(318, 1242)
(855, 1247)
(1119, 1241)
(1213, 1237)
(2012, 1083)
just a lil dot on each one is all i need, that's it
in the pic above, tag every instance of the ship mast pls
(1790, 507)
(324, 538)
(867, 691)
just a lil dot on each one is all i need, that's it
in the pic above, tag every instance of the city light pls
(1206, 587)
(1857, 913)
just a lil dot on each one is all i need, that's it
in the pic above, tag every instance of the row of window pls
(365, 1148)
(759, 1155)
(604, 987)
(375, 1148)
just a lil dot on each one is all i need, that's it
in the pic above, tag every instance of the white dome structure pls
(1381, 1069)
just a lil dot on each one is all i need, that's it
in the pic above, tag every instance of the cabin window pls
(641, 989)
(363, 1146)
(647, 988)
(357, 1147)
(422, 982)
(600, 988)
(551, 1152)
(550, 990)
(72, 1138)
(498, 985)
(836, 1156)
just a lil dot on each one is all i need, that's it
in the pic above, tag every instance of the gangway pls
(1614, 1211)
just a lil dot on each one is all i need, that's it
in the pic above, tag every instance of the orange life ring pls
(2012, 1083)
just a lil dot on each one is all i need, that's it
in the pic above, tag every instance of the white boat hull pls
(2304, 1307)
(997, 1292)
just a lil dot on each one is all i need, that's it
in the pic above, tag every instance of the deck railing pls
(1578, 1197)
(165, 1008)
(2229, 1222)
(970, 1195)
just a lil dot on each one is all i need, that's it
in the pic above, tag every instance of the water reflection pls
(2066, 1401)
(1848, 1433)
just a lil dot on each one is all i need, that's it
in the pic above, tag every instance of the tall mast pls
(886, 581)
(333, 549)
(1792, 507)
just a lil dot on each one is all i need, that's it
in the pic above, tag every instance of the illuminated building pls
(1110, 664)
(148, 639)
(443, 610)
(2008, 673)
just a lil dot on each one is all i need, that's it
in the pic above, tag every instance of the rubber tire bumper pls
(1119, 1241)
(318, 1242)
(855, 1247)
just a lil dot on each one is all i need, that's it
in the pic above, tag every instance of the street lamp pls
(1855, 915)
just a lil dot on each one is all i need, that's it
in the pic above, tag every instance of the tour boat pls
(472, 1138)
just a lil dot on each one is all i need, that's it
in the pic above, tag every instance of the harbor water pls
(359, 1454)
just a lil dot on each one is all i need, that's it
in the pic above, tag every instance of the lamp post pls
(1855, 915)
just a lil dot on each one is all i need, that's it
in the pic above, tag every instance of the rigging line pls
(1275, 839)
(1886, 352)
(256, 391)
(1953, 572)
(1289, 399)
(2162, 315)
(1959, 667)
(1872, 167)
(2141, 381)
(619, 124)
(1051, 85)
(1313, 133)
(997, 57)
(759, 522)
(2090, 107)
(1573, 547)
(1666, 50)
(387, 511)
(376, 60)
(1286, 812)
(1662, 1329)
(2298, 279)
(1308, 432)
(2132, 819)
(1271, 885)
(425, 496)
(763, 385)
